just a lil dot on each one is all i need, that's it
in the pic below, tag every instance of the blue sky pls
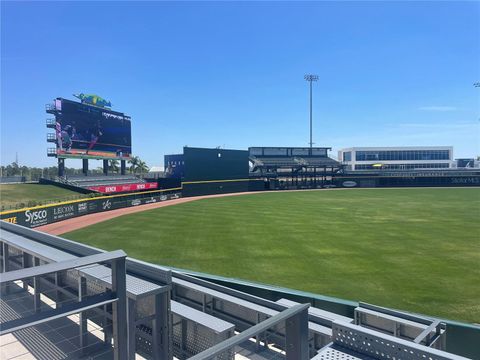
(231, 73)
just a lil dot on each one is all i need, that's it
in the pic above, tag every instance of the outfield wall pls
(46, 214)
(408, 179)
(200, 188)
(33, 217)
(462, 339)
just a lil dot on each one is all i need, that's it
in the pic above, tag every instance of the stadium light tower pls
(311, 78)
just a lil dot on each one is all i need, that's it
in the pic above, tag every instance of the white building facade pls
(397, 158)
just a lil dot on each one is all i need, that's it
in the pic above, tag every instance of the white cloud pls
(438, 108)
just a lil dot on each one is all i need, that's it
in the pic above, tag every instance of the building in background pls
(397, 158)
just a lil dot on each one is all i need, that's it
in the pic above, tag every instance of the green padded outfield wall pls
(219, 171)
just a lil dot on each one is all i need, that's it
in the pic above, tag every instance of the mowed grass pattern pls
(411, 249)
(16, 194)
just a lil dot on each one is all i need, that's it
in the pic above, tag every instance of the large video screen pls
(87, 131)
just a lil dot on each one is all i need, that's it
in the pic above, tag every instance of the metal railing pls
(363, 342)
(37, 276)
(296, 337)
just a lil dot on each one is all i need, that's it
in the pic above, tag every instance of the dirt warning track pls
(65, 226)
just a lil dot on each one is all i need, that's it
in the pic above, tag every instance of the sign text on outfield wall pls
(123, 188)
(39, 216)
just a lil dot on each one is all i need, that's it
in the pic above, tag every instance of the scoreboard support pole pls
(85, 166)
(61, 167)
(122, 167)
(105, 166)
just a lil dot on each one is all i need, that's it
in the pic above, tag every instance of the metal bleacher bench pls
(91, 277)
(209, 297)
(419, 329)
(351, 342)
(327, 315)
(232, 308)
(320, 334)
(193, 330)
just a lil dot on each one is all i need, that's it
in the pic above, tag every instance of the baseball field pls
(411, 249)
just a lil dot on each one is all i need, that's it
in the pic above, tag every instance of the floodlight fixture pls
(311, 77)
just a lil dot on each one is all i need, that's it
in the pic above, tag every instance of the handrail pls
(249, 333)
(401, 314)
(425, 333)
(92, 302)
(60, 266)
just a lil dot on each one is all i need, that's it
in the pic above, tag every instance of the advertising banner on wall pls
(48, 214)
(110, 189)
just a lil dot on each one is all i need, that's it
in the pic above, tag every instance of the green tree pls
(113, 166)
(142, 167)
(134, 161)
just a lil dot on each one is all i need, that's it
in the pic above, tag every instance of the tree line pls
(136, 166)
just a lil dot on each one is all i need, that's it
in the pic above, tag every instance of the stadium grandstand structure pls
(293, 167)
(107, 183)
(63, 299)
(97, 180)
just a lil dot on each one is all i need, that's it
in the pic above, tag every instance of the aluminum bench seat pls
(399, 324)
(148, 309)
(319, 335)
(225, 297)
(194, 331)
(316, 327)
(331, 316)
(136, 288)
(360, 310)
(39, 250)
(215, 324)
(319, 329)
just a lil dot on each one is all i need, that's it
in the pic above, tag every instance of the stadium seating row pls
(101, 180)
(292, 161)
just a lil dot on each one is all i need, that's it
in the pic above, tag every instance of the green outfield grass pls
(18, 194)
(411, 249)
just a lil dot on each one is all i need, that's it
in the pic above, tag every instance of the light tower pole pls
(311, 78)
